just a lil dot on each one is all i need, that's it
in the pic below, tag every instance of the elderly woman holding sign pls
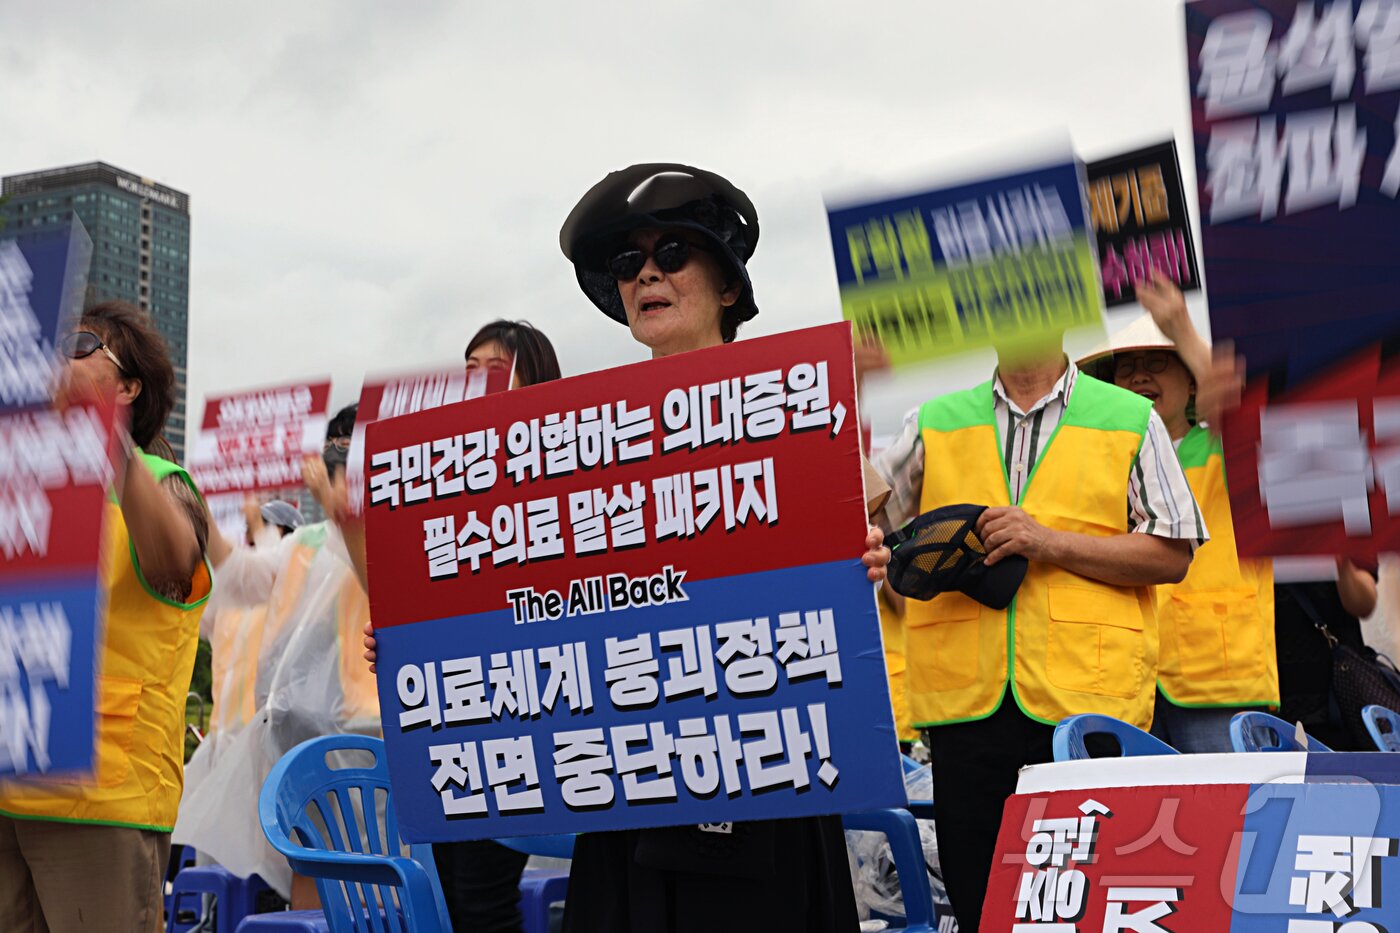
(662, 249)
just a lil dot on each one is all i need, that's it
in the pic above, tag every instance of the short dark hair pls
(343, 424)
(535, 360)
(133, 339)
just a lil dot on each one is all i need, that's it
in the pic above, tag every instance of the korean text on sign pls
(630, 599)
(54, 473)
(1296, 108)
(1137, 208)
(967, 267)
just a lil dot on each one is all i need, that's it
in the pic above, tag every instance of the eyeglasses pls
(82, 343)
(1152, 362)
(339, 443)
(671, 254)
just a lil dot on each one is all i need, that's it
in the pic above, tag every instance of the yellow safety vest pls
(1218, 624)
(1066, 644)
(892, 633)
(143, 675)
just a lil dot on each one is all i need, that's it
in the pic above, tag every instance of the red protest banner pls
(255, 440)
(641, 463)
(391, 397)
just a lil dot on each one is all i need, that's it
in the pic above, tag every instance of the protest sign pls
(256, 440)
(1137, 208)
(1295, 108)
(1312, 847)
(54, 473)
(403, 395)
(631, 598)
(951, 269)
(42, 281)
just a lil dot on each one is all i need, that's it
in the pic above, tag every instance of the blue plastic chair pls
(1254, 731)
(1068, 743)
(900, 828)
(540, 889)
(288, 921)
(357, 863)
(1384, 726)
(234, 898)
(187, 860)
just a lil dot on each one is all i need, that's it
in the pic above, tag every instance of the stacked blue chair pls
(187, 859)
(900, 828)
(1070, 735)
(234, 898)
(322, 819)
(1384, 726)
(1259, 732)
(540, 888)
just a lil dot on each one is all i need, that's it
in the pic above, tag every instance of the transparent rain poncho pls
(308, 679)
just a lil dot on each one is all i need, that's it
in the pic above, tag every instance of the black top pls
(1305, 657)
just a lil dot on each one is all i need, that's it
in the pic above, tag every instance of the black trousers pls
(975, 767)
(766, 876)
(481, 885)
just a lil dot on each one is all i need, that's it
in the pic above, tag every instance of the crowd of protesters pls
(1104, 478)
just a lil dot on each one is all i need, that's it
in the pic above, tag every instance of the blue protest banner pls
(43, 279)
(968, 266)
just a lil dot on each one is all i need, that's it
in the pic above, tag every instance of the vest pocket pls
(117, 702)
(1095, 642)
(942, 642)
(1218, 635)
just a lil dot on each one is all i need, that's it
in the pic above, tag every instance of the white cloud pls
(370, 181)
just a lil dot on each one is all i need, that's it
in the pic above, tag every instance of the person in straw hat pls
(1216, 655)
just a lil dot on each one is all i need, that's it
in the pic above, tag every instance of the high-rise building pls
(140, 247)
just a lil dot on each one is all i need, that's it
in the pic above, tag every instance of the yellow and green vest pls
(1217, 625)
(1066, 644)
(143, 675)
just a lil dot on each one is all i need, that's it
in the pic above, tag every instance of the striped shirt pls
(1159, 500)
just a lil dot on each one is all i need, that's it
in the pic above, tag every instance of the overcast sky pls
(372, 181)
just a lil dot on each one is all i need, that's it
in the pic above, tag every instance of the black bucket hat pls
(939, 552)
(659, 194)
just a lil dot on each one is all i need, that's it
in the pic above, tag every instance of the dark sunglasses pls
(1155, 362)
(671, 254)
(82, 343)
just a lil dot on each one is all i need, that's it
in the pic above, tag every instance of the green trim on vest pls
(161, 468)
(68, 819)
(1197, 447)
(1103, 407)
(969, 408)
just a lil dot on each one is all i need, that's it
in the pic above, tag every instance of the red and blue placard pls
(1305, 857)
(54, 473)
(631, 598)
(1295, 108)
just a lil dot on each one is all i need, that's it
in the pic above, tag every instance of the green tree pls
(201, 682)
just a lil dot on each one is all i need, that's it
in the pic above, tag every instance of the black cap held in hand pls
(939, 552)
